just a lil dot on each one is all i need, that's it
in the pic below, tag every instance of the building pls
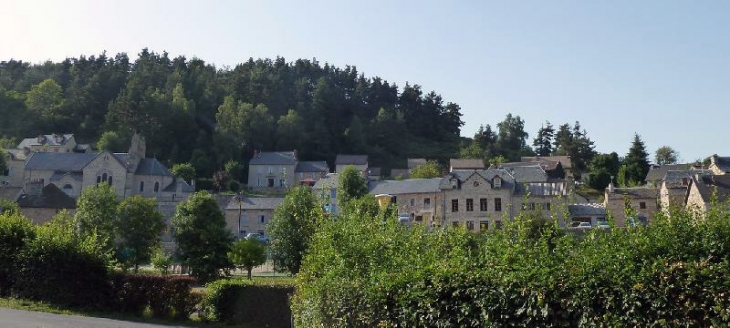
(656, 173)
(41, 203)
(642, 200)
(719, 165)
(551, 164)
(250, 214)
(325, 190)
(277, 171)
(417, 199)
(465, 164)
(360, 162)
(307, 173)
(477, 199)
(588, 212)
(54, 143)
(703, 188)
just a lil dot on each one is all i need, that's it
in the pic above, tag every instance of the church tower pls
(136, 152)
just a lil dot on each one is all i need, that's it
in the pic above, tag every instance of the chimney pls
(26, 151)
(255, 153)
(41, 139)
(610, 186)
(296, 154)
(713, 159)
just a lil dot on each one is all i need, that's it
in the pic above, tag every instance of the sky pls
(657, 68)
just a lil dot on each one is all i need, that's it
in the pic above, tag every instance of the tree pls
(161, 261)
(138, 228)
(543, 142)
(666, 155)
(351, 185)
(289, 131)
(247, 254)
(234, 170)
(601, 169)
(472, 151)
(199, 228)
(511, 138)
(244, 122)
(3, 162)
(186, 171)
(96, 213)
(111, 141)
(426, 171)
(292, 228)
(220, 180)
(636, 162)
(45, 99)
(563, 141)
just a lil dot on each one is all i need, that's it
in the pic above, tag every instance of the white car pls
(580, 225)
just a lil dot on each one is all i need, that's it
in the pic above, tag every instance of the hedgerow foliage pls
(15, 232)
(253, 303)
(364, 272)
(164, 296)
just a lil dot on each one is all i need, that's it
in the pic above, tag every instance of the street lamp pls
(239, 200)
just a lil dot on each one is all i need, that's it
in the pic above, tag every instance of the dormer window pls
(454, 183)
(497, 182)
(685, 182)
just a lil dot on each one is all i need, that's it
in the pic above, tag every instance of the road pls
(27, 319)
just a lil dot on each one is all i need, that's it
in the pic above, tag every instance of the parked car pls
(602, 224)
(580, 225)
(258, 236)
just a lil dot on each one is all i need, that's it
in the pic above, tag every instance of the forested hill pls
(191, 111)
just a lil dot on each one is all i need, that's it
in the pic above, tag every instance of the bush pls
(63, 269)
(253, 303)
(15, 232)
(164, 296)
(361, 272)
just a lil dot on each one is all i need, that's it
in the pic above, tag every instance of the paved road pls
(27, 319)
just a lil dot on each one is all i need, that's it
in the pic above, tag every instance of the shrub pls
(253, 303)
(164, 296)
(63, 269)
(15, 232)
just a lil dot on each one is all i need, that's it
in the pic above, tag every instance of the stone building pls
(417, 199)
(477, 199)
(41, 203)
(703, 188)
(250, 214)
(278, 171)
(360, 162)
(642, 200)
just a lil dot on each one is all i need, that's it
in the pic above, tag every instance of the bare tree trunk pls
(249, 272)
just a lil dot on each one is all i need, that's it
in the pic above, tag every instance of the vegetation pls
(247, 254)
(96, 213)
(426, 171)
(186, 171)
(202, 237)
(250, 303)
(139, 227)
(635, 165)
(666, 155)
(292, 227)
(351, 184)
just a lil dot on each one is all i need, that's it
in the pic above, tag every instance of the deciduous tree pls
(138, 230)
(247, 254)
(426, 171)
(666, 155)
(96, 213)
(292, 227)
(351, 185)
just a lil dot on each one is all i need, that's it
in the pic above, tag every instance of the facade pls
(325, 190)
(588, 212)
(703, 188)
(643, 201)
(673, 187)
(719, 165)
(250, 214)
(417, 199)
(42, 203)
(360, 162)
(277, 171)
(54, 143)
(478, 200)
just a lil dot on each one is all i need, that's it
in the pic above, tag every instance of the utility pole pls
(239, 200)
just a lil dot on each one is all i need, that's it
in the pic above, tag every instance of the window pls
(498, 224)
(498, 204)
(454, 205)
(419, 218)
(413, 202)
(469, 205)
(532, 206)
(427, 202)
(68, 189)
(483, 225)
(104, 177)
(546, 206)
(110, 180)
(271, 170)
(333, 193)
(270, 183)
(258, 182)
(283, 170)
(141, 186)
(642, 205)
(98, 179)
(282, 182)
(470, 225)
(455, 224)
(263, 219)
(157, 186)
(483, 204)
(497, 182)
(394, 200)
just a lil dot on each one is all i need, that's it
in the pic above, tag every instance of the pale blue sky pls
(658, 68)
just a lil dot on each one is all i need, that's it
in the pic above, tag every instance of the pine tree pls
(543, 142)
(636, 162)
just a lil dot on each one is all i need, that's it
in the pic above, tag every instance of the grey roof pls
(708, 184)
(722, 163)
(274, 158)
(634, 193)
(657, 172)
(351, 160)
(10, 193)
(48, 139)
(151, 166)
(58, 175)
(184, 186)
(564, 160)
(587, 209)
(255, 203)
(531, 173)
(52, 197)
(408, 186)
(673, 179)
(374, 171)
(543, 188)
(329, 181)
(67, 162)
(466, 164)
(415, 162)
(17, 154)
(507, 179)
(313, 166)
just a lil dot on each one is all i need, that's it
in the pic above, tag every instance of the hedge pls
(15, 232)
(164, 296)
(362, 272)
(243, 302)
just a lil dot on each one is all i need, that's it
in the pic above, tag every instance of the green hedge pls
(361, 272)
(164, 296)
(256, 303)
(15, 232)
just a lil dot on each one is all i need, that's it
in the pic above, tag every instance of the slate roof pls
(507, 179)
(67, 162)
(185, 187)
(52, 197)
(58, 175)
(542, 188)
(10, 192)
(708, 184)
(415, 162)
(48, 140)
(657, 172)
(329, 181)
(17, 154)
(564, 160)
(313, 166)
(466, 164)
(532, 173)
(634, 193)
(274, 158)
(722, 163)
(255, 203)
(351, 160)
(151, 166)
(408, 186)
(588, 209)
